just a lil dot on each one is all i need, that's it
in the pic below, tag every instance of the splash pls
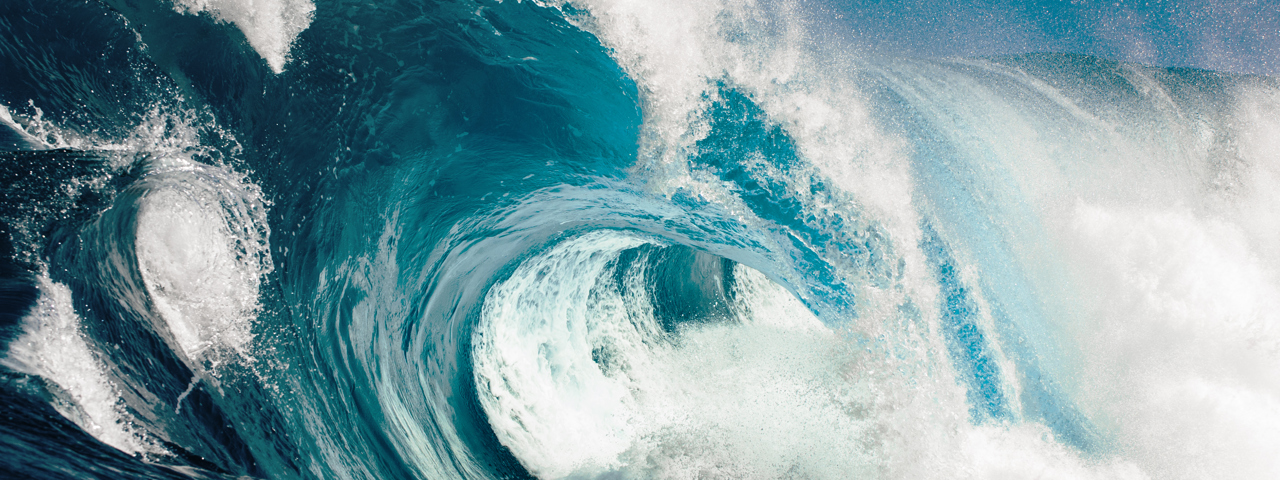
(201, 249)
(270, 26)
(53, 346)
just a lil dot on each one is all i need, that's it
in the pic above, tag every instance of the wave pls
(606, 239)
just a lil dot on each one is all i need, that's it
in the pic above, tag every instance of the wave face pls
(617, 239)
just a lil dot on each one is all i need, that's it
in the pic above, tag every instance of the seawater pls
(626, 239)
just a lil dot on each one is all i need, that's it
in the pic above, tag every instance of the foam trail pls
(53, 347)
(270, 26)
(183, 396)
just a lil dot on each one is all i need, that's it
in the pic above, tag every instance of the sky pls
(1241, 36)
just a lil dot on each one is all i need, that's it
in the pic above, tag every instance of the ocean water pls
(639, 239)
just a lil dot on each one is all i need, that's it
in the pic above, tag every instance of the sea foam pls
(270, 26)
(53, 346)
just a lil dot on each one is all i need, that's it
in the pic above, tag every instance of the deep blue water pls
(603, 239)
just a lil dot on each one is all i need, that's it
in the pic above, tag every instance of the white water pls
(770, 397)
(1150, 249)
(270, 26)
(53, 346)
(1180, 305)
(201, 247)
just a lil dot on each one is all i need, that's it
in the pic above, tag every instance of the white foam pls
(53, 346)
(543, 394)
(270, 26)
(1154, 256)
(775, 394)
(1257, 128)
(201, 247)
(1029, 451)
(1152, 250)
(1181, 314)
